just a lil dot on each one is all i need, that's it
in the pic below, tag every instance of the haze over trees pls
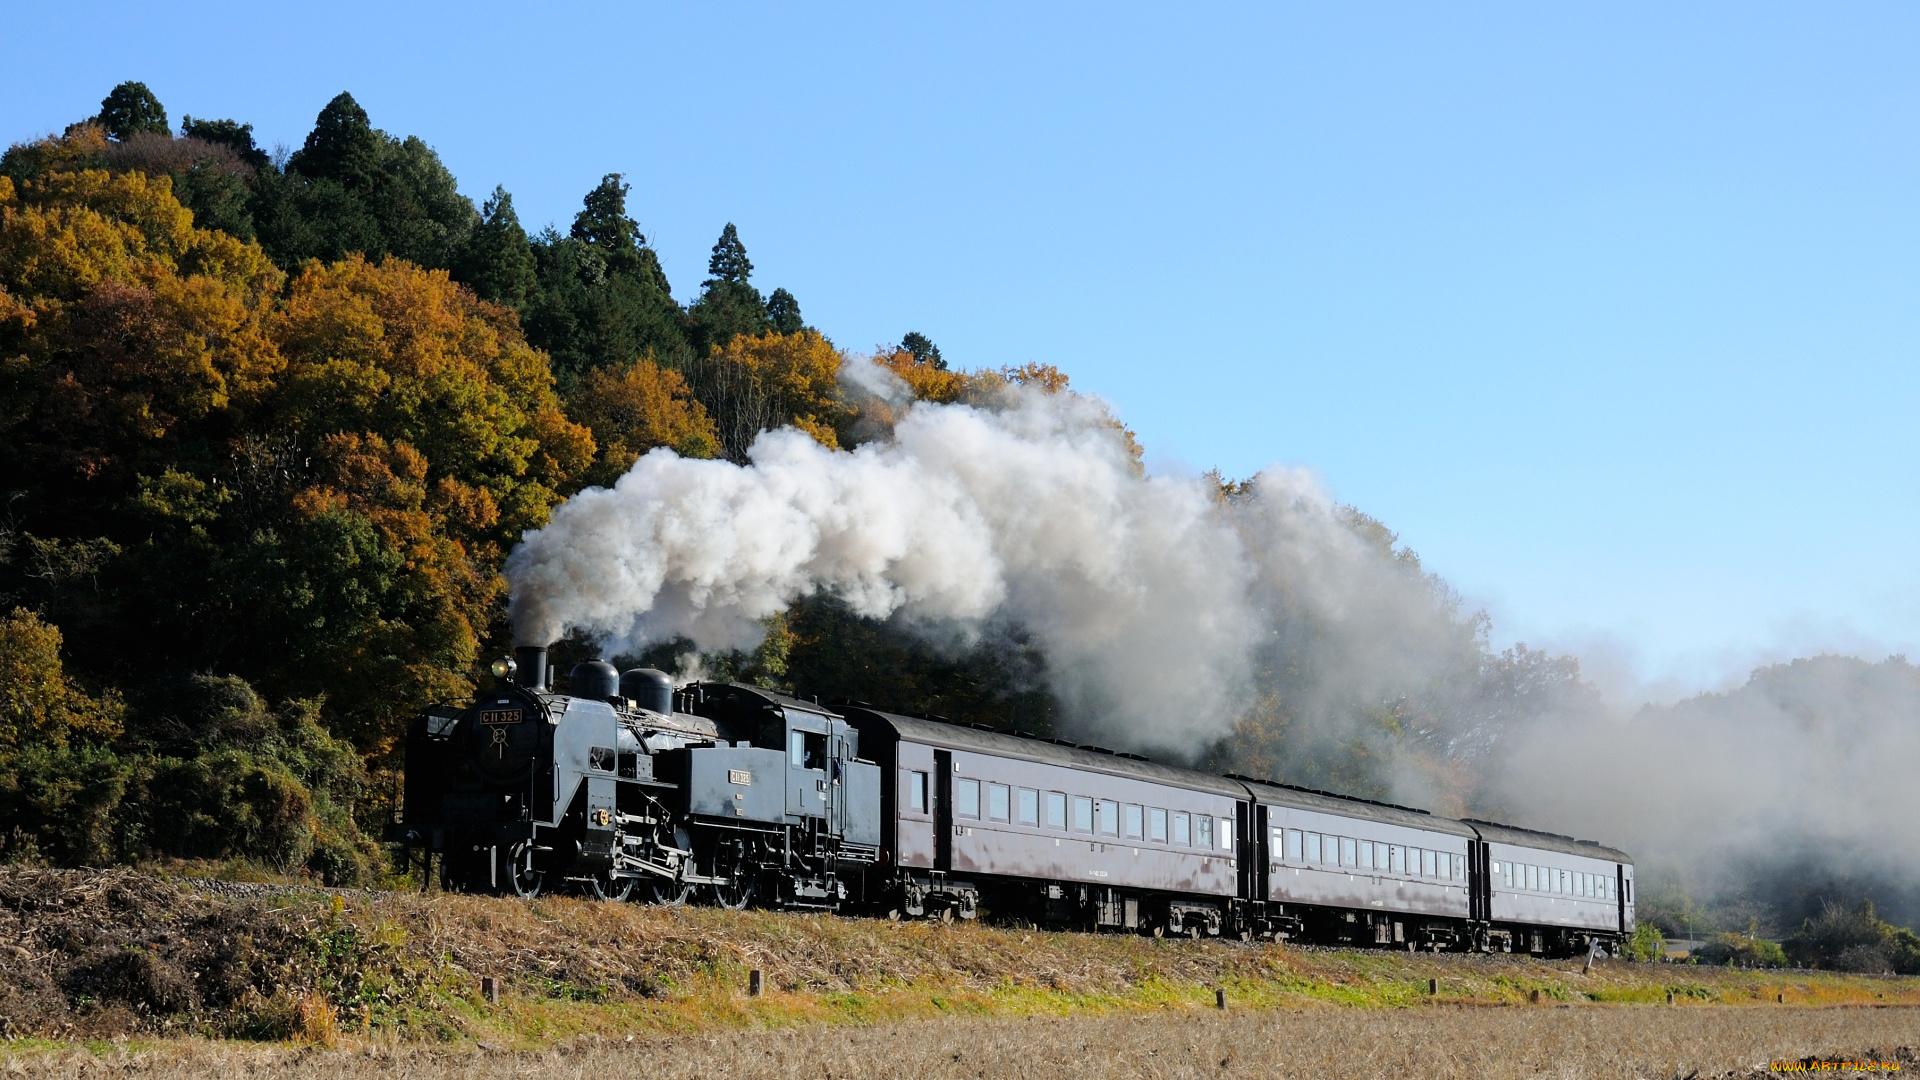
(270, 422)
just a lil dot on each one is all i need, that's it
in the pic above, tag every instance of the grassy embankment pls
(114, 954)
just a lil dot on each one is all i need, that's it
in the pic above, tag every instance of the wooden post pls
(490, 989)
(1433, 986)
(1220, 1000)
(1669, 997)
(755, 983)
(1534, 997)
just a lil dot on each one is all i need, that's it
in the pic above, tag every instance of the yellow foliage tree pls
(405, 354)
(753, 384)
(426, 415)
(39, 705)
(120, 323)
(633, 408)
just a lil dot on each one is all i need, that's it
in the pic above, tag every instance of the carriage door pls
(1248, 850)
(807, 767)
(943, 810)
(1479, 881)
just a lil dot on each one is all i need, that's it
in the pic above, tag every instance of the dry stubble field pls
(1441, 1042)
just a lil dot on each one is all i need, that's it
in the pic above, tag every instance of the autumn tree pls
(755, 384)
(634, 408)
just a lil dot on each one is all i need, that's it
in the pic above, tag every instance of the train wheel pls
(730, 862)
(607, 887)
(522, 878)
(668, 892)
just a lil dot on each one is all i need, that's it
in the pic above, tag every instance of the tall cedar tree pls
(729, 305)
(602, 297)
(131, 109)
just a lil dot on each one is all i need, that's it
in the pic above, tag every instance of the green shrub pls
(1742, 950)
(1646, 944)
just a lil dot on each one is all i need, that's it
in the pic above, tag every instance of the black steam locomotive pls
(630, 788)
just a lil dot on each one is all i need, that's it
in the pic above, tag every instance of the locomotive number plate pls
(739, 776)
(501, 716)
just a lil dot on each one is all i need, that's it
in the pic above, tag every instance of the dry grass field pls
(120, 973)
(1441, 1043)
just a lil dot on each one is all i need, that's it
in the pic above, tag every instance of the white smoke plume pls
(1149, 596)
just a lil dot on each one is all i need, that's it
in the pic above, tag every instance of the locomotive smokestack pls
(530, 666)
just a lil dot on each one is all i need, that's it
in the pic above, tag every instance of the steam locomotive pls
(630, 788)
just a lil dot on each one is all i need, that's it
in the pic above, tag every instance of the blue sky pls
(1608, 309)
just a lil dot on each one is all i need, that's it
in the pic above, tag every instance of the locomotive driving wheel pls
(730, 861)
(669, 892)
(525, 881)
(604, 886)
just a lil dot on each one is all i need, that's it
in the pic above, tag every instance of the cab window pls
(806, 750)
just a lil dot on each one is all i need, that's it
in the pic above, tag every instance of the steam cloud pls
(1151, 599)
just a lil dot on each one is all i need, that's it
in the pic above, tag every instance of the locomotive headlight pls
(502, 667)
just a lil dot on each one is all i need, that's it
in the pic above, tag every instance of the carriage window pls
(1226, 834)
(1056, 810)
(1348, 855)
(1313, 847)
(1029, 806)
(1459, 868)
(917, 792)
(1396, 859)
(1629, 890)
(1529, 880)
(997, 798)
(1205, 837)
(1182, 828)
(1293, 844)
(1157, 825)
(1427, 867)
(1082, 814)
(966, 798)
(1108, 813)
(1136, 825)
(1366, 854)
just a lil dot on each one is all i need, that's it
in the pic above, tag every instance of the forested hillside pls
(268, 427)
(271, 422)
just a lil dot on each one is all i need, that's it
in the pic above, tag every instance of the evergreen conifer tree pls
(131, 109)
(783, 311)
(497, 259)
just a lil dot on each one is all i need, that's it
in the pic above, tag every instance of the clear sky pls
(1609, 309)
